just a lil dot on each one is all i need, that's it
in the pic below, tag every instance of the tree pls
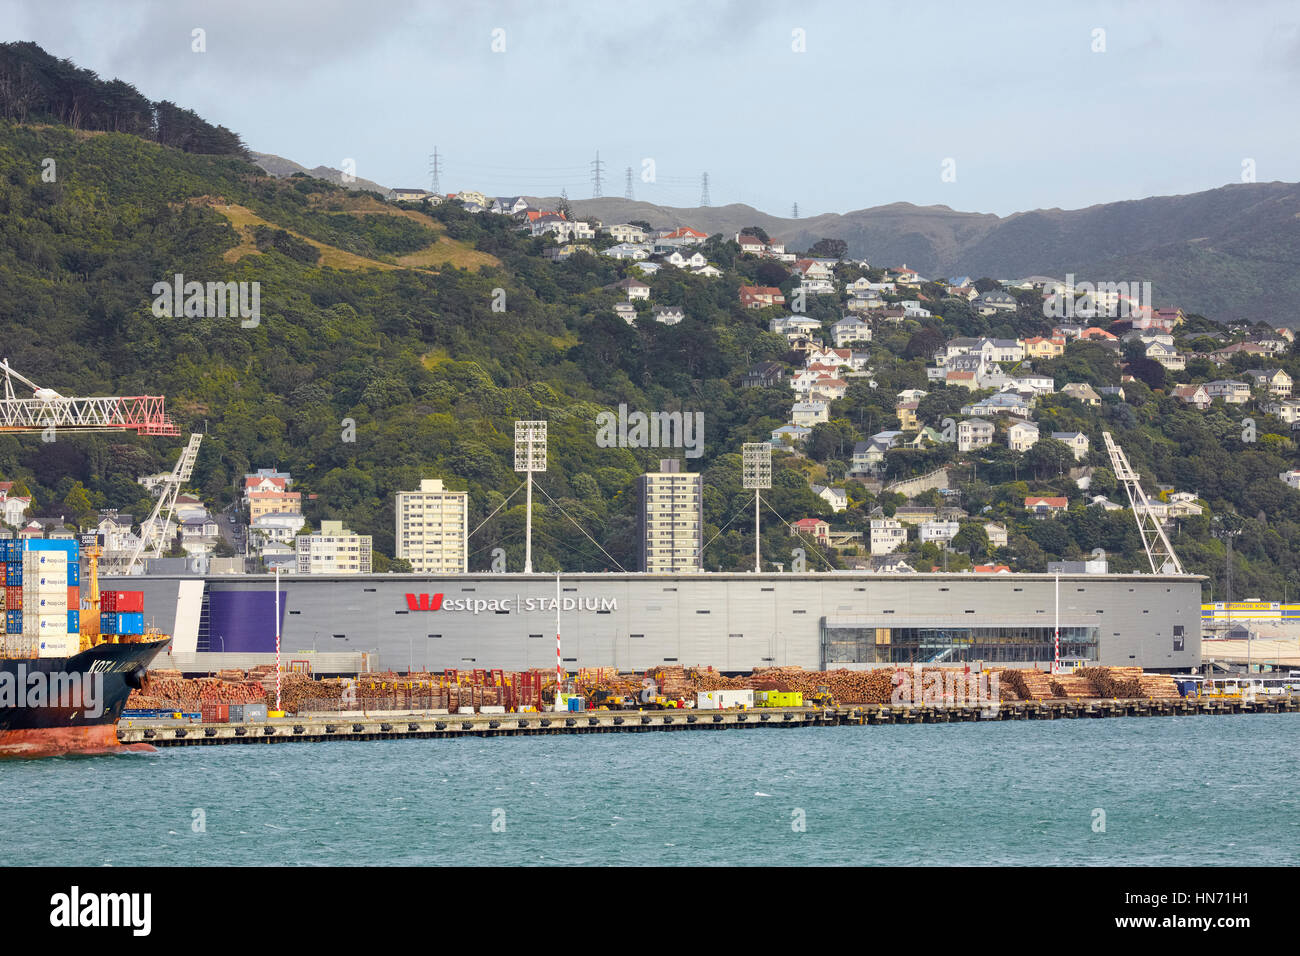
(829, 249)
(400, 566)
(1048, 458)
(78, 502)
(971, 539)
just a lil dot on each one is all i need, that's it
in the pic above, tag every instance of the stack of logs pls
(1115, 681)
(1072, 686)
(1159, 687)
(166, 689)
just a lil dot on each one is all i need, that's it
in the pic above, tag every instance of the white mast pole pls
(278, 672)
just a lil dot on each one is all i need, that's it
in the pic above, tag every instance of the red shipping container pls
(122, 602)
(130, 602)
(215, 713)
(74, 599)
(14, 597)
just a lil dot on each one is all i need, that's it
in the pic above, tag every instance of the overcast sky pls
(881, 96)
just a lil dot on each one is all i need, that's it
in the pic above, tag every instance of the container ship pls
(66, 666)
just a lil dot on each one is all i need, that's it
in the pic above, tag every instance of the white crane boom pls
(150, 533)
(47, 409)
(1160, 553)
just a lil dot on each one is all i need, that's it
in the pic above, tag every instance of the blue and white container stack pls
(46, 616)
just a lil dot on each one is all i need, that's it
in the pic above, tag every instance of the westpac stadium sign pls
(437, 602)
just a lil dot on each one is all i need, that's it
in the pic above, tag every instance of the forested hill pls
(37, 87)
(396, 344)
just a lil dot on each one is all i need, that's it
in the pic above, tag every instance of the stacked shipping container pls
(41, 598)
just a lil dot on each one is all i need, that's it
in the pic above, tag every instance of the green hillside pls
(434, 378)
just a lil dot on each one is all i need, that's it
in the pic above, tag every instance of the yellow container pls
(274, 713)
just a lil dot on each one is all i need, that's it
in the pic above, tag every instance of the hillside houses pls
(850, 331)
(760, 296)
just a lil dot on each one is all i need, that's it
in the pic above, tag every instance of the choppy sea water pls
(1173, 791)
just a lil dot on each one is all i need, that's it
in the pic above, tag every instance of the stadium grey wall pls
(733, 622)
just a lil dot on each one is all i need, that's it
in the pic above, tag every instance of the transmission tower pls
(704, 190)
(597, 167)
(627, 194)
(794, 213)
(434, 169)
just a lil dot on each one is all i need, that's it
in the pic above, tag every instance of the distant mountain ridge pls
(1229, 253)
(280, 167)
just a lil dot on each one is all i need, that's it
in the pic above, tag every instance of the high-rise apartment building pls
(433, 528)
(672, 519)
(333, 550)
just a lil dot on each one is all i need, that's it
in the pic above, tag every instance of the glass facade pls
(953, 645)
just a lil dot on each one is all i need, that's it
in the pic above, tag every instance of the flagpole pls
(277, 639)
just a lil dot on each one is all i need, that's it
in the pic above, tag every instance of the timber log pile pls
(166, 689)
(1115, 681)
(1159, 687)
(1029, 684)
(1072, 686)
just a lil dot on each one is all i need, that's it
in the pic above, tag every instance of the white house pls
(809, 413)
(974, 433)
(940, 532)
(849, 331)
(887, 534)
(837, 498)
(1077, 441)
(1022, 436)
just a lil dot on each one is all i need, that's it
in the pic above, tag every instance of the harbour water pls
(1168, 791)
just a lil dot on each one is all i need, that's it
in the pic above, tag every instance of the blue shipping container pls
(131, 623)
(14, 622)
(13, 574)
(74, 575)
(74, 622)
(67, 546)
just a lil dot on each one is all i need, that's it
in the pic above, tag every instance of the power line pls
(581, 528)
(597, 167)
(434, 170)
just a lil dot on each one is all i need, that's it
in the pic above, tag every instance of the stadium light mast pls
(530, 456)
(756, 473)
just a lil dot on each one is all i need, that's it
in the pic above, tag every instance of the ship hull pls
(69, 705)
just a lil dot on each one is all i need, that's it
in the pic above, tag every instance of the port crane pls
(47, 413)
(47, 409)
(152, 535)
(1160, 553)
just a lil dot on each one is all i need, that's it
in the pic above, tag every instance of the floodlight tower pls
(756, 473)
(530, 456)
